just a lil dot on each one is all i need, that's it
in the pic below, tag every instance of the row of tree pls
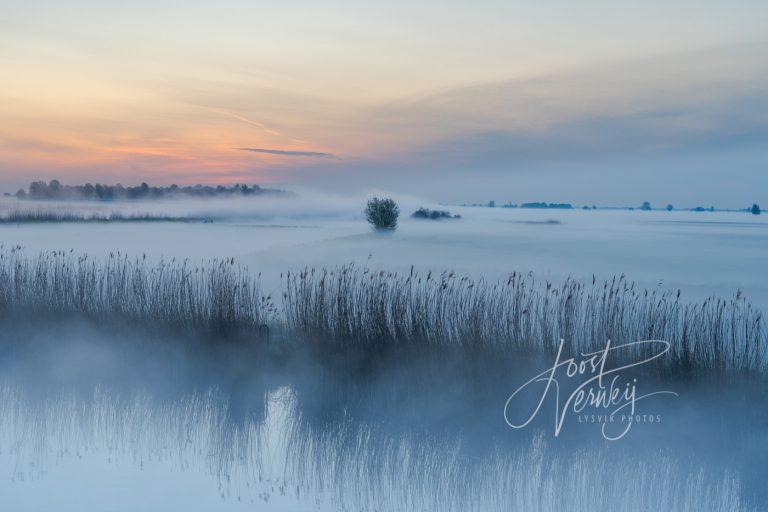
(754, 209)
(54, 190)
(646, 206)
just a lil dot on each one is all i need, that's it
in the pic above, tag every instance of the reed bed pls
(354, 309)
(350, 307)
(217, 297)
(52, 216)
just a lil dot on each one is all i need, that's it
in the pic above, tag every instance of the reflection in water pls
(353, 467)
(303, 436)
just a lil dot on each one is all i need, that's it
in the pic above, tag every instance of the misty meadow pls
(295, 370)
(396, 256)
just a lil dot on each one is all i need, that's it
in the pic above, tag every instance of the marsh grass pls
(53, 216)
(351, 308)
(216, 298)
(370, 315)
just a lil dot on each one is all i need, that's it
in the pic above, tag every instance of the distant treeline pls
(558, 206)
(54, 190)
(537, 204)
(646, 206)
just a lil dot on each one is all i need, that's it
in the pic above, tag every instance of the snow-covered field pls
(700, 253)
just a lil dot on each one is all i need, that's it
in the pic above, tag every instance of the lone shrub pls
(382, 213)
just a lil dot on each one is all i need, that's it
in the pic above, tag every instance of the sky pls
(587, 102)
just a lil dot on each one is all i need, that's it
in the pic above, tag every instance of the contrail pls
(315, 154)
(255, 123)
(246, 120)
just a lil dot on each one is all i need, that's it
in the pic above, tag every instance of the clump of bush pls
(382, 214)
(426, 213)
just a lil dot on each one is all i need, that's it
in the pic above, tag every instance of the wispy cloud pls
(313, 154)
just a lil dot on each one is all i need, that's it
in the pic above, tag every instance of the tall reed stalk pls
(217, 297)
(351, 307)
